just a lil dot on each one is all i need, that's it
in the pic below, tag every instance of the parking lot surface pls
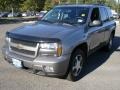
(102, 71)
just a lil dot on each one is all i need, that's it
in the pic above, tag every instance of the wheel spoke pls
(77, 65)
(110, 43)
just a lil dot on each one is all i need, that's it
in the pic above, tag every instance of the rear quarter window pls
(104, 14)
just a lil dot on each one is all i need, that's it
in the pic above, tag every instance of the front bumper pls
(49, 66)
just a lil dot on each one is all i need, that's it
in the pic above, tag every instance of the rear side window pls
(104, 15)
(109, 13)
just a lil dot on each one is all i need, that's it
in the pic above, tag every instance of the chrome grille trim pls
(29, 48)
(22, 46)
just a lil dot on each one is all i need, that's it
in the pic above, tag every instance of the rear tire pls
(76, 65)
(108, 47)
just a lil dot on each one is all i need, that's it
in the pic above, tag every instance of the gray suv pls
(59, 44)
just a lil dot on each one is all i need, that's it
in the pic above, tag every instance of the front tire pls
(76, 65)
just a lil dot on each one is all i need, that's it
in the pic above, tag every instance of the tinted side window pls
(95, 14)
(103, 13)
(109, 14)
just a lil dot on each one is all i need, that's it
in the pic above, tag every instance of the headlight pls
(54, 49)
(51, 46)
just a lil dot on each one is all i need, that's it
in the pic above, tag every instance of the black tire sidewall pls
(111, 40)
(108, 47)
(71, 76)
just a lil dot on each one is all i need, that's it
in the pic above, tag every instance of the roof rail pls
(69, 4)
(100, 4)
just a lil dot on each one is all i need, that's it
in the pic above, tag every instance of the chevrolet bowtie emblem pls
(19, 46)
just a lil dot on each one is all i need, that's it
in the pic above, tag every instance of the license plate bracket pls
(17, 63)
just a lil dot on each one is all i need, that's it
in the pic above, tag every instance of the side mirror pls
(95, 23)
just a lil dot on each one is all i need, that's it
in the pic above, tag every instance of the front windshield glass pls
(70, 15)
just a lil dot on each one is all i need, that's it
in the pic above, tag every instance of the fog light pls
(49, 69)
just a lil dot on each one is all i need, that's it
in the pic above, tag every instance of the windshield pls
(71, 15)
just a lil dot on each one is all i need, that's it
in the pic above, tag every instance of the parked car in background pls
(119, 15)
(4, 14)
(24, 14)
(18, 14)
(29, 13)
(11, 14)
(15, 14)
(116, 16)
(41, 14)
(37, 13)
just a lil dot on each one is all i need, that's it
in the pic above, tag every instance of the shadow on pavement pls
(97, 59)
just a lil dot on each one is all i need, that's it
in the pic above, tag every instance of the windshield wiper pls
(61, 22)
(67, 22)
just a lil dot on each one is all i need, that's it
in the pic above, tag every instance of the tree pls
(48, 5)
(7, 5)
(38, 5)
(33, 5)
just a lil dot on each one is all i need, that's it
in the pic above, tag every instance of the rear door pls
(107, 23)
(111, 24)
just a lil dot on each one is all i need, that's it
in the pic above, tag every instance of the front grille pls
(24, 48)
(23, 42)
(23, 51)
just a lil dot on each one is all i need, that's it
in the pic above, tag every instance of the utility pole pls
(12, 12)
(118, 6)
(76, 1)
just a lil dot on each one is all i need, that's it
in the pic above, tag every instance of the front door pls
(95, 33)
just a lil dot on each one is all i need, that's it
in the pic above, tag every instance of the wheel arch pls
(83, 47)
(113, 33)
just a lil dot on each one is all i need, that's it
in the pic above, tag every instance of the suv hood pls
(43, 31)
